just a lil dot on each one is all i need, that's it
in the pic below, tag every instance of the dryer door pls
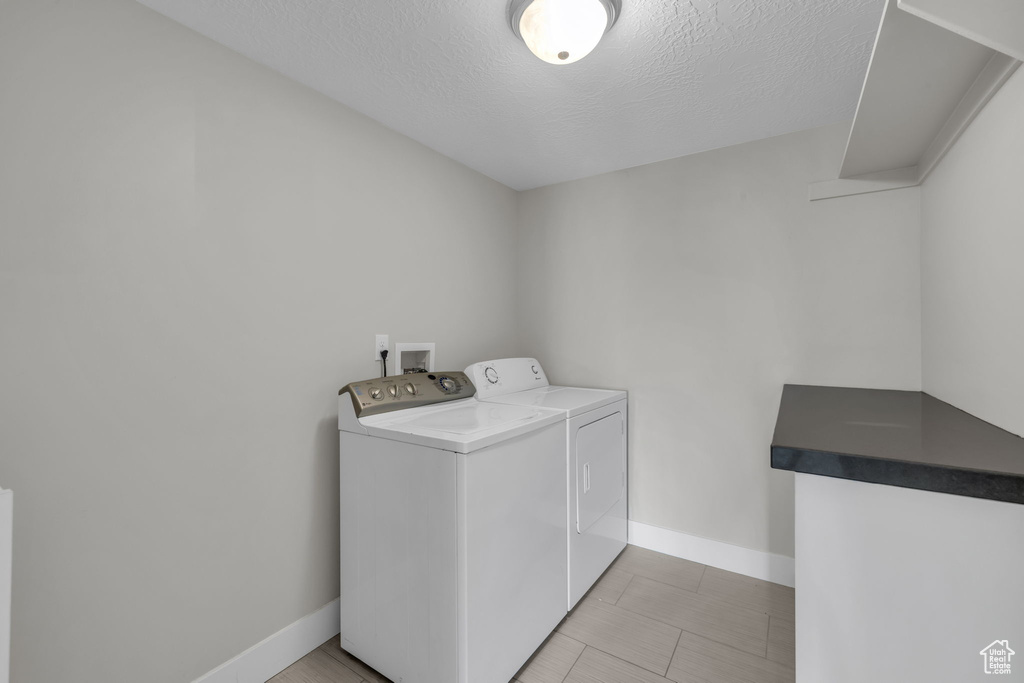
(600, 468)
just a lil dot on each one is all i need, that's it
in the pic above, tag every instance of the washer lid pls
(570, 400)
(462, 426)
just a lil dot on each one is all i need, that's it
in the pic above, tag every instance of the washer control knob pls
(447, 383)
(410, 389)
(394, 390)
(376, 394)
(492, 375)
(535, 370)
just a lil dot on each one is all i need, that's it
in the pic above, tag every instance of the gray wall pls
(972, 245)
(182, 233)
(195, 254)
(702, 285)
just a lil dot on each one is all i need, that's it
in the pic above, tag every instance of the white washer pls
(453, 529)
(595, 447)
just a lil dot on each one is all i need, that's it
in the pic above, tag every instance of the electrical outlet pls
(379, 344)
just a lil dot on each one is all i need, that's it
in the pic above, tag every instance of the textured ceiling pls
(672, 77)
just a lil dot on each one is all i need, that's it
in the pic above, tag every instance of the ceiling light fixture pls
(562, 31)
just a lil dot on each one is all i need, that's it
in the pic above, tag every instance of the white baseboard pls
(733, 558)
(279, 651)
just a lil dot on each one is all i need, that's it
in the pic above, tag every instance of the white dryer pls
(453, 529)
(595, 447)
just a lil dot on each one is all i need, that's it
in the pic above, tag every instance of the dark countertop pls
(900, 438)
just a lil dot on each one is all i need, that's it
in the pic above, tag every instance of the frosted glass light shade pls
(562, 31)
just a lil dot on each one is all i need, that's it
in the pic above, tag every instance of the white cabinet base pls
(896, 584)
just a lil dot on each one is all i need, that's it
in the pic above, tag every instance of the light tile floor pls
(651, 618)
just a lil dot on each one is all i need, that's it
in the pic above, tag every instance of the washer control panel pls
(397, 392)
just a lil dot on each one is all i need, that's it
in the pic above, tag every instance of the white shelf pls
(924, 86)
